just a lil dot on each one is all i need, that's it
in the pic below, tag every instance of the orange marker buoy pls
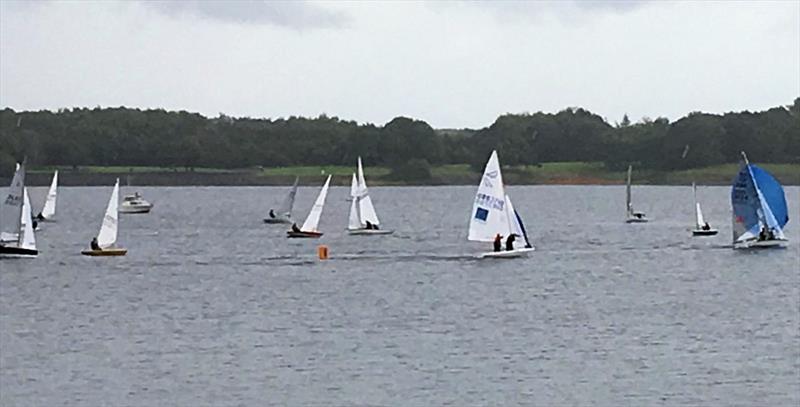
(322, 252)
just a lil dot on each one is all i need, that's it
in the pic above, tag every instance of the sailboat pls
(493, 213)
(632, 216)
(284, 212)
(108, 230)
(309, 228)
(363, 219)
(759, 208)
(17, 238)
(48, 212)
(701, 227)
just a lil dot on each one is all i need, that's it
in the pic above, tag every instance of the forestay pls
(108, 231)
(312, 221)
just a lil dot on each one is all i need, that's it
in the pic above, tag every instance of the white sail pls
(312, 221)
(628, 203)
(489, 215)
(697, 211)
(286, 206)
(28, 238)
(49, 209)
(514, 225)
(108, 231)
(367, 211)
(11, 209)
(354, 221)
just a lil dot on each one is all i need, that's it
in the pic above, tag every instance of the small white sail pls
(286, 206)
(628, 203)
(489, 214)
(49, 209)
(11, 207)
(367, 211)
(108, 231)
(312, 221)
(355, 221)
(697, 211)
(28, 238)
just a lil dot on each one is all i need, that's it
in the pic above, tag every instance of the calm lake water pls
(212, 307)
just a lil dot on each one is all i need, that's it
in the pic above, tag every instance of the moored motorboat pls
(134, 203)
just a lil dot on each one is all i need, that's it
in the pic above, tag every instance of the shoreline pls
(69, 177)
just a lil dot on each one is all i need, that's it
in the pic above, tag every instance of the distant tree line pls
(133, 137)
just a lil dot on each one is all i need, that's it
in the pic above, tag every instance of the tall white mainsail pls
(28, 238)
(11, 207)
(697, 211)
(628, 203)
(354, 222)
(108, 231)
(286, 206)
(366, 210)
(312, 221)
(489, 213)
(49, 209)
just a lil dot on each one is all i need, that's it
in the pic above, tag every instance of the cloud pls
(533, 10)
(298, 15)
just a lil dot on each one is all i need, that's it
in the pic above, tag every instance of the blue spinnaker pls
(772, 191)
(745, 203)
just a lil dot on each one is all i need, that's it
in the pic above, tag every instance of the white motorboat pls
(134, 204)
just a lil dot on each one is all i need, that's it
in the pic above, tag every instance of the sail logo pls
(13, 200)
(489, 201)
(488, 177)
(481, 214)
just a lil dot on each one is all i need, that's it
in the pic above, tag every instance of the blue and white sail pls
(489, 211)
(759, 205)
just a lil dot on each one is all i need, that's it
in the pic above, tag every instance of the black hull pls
(11, 251)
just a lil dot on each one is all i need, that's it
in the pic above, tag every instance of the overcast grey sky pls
(451, 64)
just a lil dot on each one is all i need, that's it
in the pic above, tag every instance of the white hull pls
(507, 254)
(135, 209)
(369, 232)
(702, 232)
(760, 244)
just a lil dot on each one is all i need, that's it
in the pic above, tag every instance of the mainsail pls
(49, 209)
(758, 203)
(697, 211)
(11, 209)
(489, 215)
(366, 210)
(628, 203)
(108, 231)
(286, 206)
(354, 222)
(312, 221)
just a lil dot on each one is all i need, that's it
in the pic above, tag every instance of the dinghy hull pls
(507, 254)
(636, 220)
(276, 221)
(701, 232)
(301, 234)
(105, 252)
(761, 244)
(16, 252)
(366, 232)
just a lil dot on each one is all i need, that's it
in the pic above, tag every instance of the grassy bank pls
(456, 174)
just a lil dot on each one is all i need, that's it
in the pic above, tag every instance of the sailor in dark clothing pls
(94, 244)
(510, 241)
(39, 216)
(295, 228)
(763, 234)
(498, 242)
(271, 214)
(369, 225)
(34, 224)
(706, 226)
